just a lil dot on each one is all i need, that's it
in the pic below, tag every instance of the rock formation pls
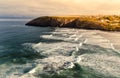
(110, 23)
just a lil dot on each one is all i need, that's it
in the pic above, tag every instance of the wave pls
(61, 49)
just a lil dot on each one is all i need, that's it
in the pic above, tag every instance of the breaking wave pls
(61, 51)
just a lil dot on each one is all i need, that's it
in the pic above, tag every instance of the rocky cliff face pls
(84, 22)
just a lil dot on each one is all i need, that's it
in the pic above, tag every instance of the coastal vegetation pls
(108, 22)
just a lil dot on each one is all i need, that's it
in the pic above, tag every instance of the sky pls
(58, 7)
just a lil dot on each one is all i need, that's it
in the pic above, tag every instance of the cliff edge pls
(108, 23)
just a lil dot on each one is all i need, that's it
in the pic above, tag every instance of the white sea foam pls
(69, 46)
(102, 60)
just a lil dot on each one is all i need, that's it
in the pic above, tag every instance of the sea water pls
(25, 48)
(13, 54)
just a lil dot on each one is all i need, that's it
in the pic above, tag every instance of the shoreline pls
(105, 23)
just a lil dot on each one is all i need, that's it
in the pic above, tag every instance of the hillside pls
(109, 23)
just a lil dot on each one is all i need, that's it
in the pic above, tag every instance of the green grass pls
(107, 23)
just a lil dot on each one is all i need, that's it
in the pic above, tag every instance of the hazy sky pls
(58, 7)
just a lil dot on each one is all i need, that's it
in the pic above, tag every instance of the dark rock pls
(84, 22)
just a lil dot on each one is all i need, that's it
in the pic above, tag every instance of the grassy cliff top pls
(108, 22)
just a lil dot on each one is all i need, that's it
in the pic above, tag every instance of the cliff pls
(109, 23)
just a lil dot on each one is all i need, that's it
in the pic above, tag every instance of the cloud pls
(56, 7)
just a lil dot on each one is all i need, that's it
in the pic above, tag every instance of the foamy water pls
(33, 49)
(87, 47)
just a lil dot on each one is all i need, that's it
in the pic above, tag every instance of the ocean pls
(13, 34)
(27, 51)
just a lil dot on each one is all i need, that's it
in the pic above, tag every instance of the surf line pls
(112, 46)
